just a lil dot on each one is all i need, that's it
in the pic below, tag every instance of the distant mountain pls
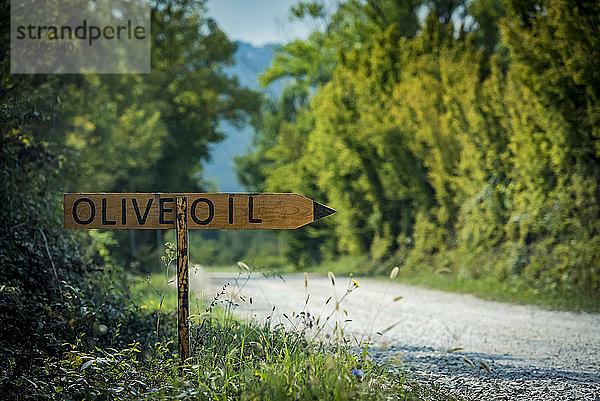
(250, 61)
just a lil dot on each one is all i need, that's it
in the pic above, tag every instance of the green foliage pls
(49, 294)
(230, 360)
(70, 327)
(50, 291)
(467, 141)
(226, 247)
(105, 374)
(150, 132)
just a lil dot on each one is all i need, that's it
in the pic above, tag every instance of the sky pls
(259, 21)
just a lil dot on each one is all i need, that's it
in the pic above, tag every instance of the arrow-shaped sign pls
(189, 211)
(205, 210)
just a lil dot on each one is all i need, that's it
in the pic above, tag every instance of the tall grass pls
(231, 358)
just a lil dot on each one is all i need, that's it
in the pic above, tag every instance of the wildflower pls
(357, 372)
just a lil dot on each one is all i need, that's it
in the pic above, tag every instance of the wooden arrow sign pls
(189, 211)
(204, 211)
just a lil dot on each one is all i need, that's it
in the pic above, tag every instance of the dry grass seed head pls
(332, 278)
(243, 266)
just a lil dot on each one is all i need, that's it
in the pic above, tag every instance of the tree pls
(135, 133)
(291, 152)
(151, 132)
(469, 142)
(553, 98)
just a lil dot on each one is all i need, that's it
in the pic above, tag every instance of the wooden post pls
(182, 280)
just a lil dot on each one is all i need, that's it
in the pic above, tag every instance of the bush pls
(48, 294)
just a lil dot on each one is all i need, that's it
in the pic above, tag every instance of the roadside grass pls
(149, 291)
(231, 359)
(489, 289)
(266, 270)
(236, 359)
(158, 291)
(516, 292)
(346, 265)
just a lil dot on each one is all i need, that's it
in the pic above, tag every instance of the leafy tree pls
(468, 140)
(49, 293)
(151, 132)
(553, 97)
(136, 133)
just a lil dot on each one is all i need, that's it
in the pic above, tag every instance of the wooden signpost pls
(185, 211)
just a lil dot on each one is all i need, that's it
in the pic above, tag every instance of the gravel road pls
(472, 348)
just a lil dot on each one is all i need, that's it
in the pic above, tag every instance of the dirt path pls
(500, 351)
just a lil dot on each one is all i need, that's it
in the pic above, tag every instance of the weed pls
(305, 357)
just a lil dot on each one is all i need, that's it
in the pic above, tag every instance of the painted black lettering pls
(123, 211)
(230, 210)
(105, 220)
(251, 218)
(211, 211)
(162, 210)
(92, 213)
(141, 220)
